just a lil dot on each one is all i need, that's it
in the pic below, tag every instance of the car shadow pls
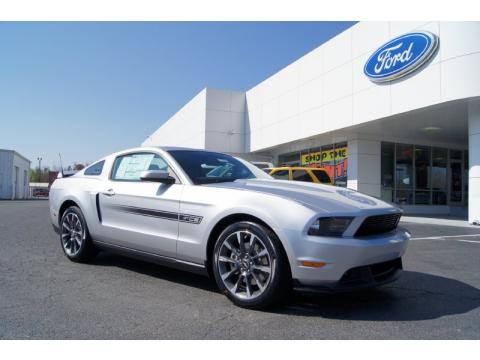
(416, 296)
(154, 270)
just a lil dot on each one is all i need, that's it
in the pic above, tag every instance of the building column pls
(364, 163)
(474, 161)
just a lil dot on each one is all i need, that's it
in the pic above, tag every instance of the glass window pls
(280, 174)
(456, 173)
(422, 197)
(387, 170)
(439, 176)
(439, 169)
(301, 175)
(404, 197)
(289, 159)
(388, 154)
(421, 174)
(322, 176)
(422, 166)
(95, 169)
(341, 164)
(404, 174)
(439, 198)
(456, 154)
(403, 170)
(129, 167)
(204, 167)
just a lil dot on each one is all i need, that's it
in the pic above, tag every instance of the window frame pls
(110, 176)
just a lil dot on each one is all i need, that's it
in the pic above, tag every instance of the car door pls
(137, 214)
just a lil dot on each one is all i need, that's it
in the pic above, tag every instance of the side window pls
(322, 176)
(129, 167)
(280, 174)
(301, 175)
(95, 169)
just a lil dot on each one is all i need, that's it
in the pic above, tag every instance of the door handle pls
(109, 192)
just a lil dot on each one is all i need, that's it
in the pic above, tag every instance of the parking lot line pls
(470, 241)
(446, 237)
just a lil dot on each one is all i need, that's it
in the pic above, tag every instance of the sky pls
(87, 89)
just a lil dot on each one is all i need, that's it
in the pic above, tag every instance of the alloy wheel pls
(72, 234)
(245, 264)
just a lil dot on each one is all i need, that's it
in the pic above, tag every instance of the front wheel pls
(250, 266)
(74, 236)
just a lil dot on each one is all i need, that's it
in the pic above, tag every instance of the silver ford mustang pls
(218, 215)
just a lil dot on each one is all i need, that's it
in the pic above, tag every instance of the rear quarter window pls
(95, 169)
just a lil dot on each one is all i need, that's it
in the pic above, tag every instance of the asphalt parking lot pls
(45, 296)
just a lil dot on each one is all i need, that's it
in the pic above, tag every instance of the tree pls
(33, 176)
(78, 166)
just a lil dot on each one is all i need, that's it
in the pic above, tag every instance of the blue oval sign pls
(400, 56)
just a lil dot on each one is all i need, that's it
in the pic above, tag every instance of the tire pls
(74, 236)
(250, 266)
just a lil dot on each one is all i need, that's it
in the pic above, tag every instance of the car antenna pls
(61, 165)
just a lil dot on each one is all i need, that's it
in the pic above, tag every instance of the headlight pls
(330, 226)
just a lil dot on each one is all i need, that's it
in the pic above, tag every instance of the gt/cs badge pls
(193, 219)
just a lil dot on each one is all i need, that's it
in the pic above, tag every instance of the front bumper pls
(362, 277)
(342, 255)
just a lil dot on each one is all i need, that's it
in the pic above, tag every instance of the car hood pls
(318, 197)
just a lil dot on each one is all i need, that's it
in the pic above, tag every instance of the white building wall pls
(326, 90)
(212, 120)
(364, 166)
(185, 128)
(225, 121)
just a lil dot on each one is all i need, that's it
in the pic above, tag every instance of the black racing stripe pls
(188, 218)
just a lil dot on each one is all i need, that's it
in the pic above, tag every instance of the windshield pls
(204, 167)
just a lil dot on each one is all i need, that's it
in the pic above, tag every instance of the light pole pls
(39, 168)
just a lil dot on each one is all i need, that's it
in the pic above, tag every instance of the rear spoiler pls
(65, 174)
(62, 173)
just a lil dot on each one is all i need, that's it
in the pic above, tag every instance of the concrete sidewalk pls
(439, 220)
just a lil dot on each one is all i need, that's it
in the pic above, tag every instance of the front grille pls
(378, 224)
(371, 274)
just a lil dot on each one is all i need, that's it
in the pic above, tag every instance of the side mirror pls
(160, 176)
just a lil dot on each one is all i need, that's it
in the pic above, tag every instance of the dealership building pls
(391, 109)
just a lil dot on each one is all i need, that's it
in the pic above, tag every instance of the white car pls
(221, 216)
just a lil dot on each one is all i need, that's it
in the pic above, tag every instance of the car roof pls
(163, 148)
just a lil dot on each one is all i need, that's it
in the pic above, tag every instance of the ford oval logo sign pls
(401, 56)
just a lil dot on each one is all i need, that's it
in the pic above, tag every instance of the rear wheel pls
(74, 236)
(250, 266)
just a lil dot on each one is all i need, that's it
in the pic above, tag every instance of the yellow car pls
(298, 173)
